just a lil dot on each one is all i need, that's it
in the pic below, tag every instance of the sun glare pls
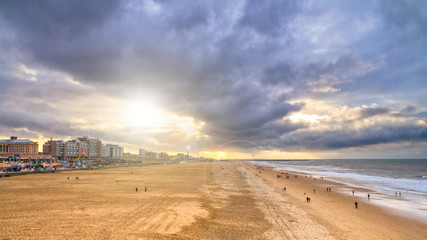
(299, 117)
(141, 113)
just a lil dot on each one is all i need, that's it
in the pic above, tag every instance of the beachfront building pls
(113, 151)
(94, 147)
(76, 149)
(182, 157)
(163, 156)
(68, 150)
(18, 146)
(142, 152)
(150, 156)
(55, 148)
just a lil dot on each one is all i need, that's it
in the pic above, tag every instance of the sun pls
(143, 113)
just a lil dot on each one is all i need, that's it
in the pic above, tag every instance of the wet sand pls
(219, 200)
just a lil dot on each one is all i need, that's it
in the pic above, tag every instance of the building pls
(69, 150)
(163, 156)
(142, 152)
(113, 151)
(18, 146)
(94, 149)
(55, 148)
(76, 149)
(150, 156)
(182, 157)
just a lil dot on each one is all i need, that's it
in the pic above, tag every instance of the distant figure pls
(308, 199)
(400, 194)
(353, 192)
(355, 204)
(330, 189)
(368, 197)
(145, 188)
(327, 189)
(284, 189)
(136, 190)
(395, 194)
(68, 178)
(314, 190)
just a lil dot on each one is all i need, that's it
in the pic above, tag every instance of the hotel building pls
(18, 146)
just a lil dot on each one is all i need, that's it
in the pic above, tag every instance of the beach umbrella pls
(3, 165)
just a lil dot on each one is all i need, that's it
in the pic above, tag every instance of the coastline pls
(337, 210)
(196, 200)
(405, 205)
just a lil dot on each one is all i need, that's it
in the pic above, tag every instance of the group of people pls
(136, 190)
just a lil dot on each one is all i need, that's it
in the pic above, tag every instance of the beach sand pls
(203, 200)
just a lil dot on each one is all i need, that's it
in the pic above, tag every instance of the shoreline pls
(400, 205)
(338, 210)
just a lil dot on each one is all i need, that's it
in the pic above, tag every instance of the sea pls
(397, 184)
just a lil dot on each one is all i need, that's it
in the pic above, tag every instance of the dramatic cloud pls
(223, 75)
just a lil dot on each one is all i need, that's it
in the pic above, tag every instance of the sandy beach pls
(203, 200)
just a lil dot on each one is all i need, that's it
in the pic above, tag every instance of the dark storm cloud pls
(408, 109)
(51, 20)
(268, 18)
(338, 139)
(409, 15)
(13, 116)
(372, 111)
(234, 65)
(58, 34)
(314, 75)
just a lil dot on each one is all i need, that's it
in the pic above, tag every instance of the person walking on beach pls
(136, 189)
(368, 197)
(314, 190)
(145, 188)
(355, 204)
(353, 192)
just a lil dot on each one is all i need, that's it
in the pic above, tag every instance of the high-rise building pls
(55, 148)
(112, 151)
(66, 150)
(163, 156)
(142, 152)
(18, 146)
(95, 147)
(76, 149)
(151, 156)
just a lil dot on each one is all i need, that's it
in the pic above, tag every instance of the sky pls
(221, 79)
